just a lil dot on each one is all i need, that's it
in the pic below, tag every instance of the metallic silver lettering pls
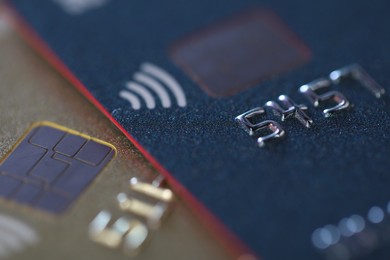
(290, 110)
(310, 90)
(246, 120)
(357, 73)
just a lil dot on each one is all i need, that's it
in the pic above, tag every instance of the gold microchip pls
(51, 166)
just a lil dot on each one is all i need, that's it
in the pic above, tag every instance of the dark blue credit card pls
(273, 115)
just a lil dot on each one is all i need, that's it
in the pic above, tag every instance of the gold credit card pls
(71, 185)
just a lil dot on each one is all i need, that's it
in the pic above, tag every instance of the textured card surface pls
(257, 108)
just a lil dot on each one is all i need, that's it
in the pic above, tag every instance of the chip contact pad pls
(51, 166)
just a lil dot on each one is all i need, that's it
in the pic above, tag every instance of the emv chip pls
(50, 167)
(240, 53)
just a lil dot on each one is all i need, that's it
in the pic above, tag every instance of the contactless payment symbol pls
(151, 86)
(15, 236)
(51, 166)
